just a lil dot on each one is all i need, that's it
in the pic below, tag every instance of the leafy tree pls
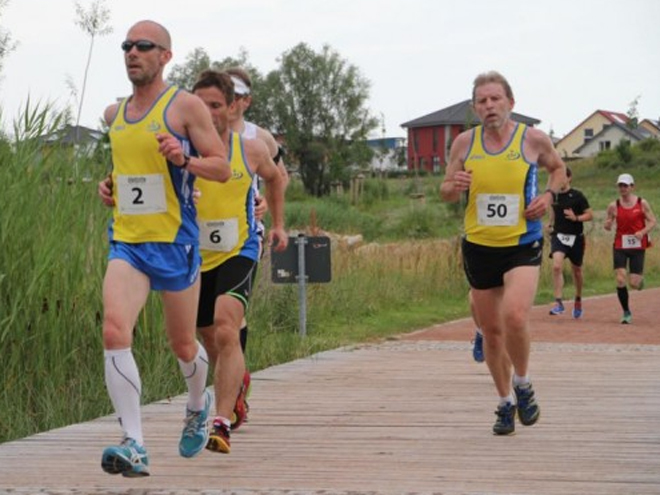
(317, 101)
(184, 75)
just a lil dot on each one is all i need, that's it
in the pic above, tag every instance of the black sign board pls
(316, 255)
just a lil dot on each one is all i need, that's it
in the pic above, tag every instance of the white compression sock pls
(122, 379)
(195, 372)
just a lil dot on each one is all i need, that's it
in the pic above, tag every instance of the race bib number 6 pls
(498, 209)
(218, 235)
(141, 194)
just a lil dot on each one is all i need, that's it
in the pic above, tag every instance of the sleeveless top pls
(226, 213)
(250, 132)
(629, 221)
(503, 184)
(153, 198)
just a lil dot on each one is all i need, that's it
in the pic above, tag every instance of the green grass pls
(54, 247)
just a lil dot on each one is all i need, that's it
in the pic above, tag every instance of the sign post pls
(305, 260)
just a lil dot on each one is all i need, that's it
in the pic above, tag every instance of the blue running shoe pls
(196, 431)
(528, 410)
(128, 458)
(557, 309)
(506, 419)
(478, 347)
(577, 309)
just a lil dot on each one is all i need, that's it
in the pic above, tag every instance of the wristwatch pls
(186, 160)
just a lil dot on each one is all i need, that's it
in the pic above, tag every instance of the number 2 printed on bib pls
(498, 210)
(141, 194)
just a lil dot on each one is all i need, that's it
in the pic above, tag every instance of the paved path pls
(407, 416)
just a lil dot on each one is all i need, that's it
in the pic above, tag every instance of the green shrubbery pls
(644, 154)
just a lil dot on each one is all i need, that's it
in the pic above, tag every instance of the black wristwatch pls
(186, 160)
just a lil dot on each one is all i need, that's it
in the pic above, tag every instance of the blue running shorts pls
(171, 267)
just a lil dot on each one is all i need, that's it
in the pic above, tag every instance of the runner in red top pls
(634, 220)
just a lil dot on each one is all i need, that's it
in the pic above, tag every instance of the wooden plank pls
(390, 418)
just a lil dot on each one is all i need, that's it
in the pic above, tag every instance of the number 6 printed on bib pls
(218, 235)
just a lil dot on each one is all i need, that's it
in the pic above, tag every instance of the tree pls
(94, 22)
(184, 75)
(7, 44)
(633, 113)
(317, 101)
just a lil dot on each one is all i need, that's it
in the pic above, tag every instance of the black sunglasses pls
(140, 45)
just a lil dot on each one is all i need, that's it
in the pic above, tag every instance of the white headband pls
(240, 88)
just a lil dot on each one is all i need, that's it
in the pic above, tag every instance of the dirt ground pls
(600, 323)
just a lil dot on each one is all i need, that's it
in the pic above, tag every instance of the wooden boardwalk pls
(399, 417)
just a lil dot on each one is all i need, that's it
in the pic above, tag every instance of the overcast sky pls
(564, 58)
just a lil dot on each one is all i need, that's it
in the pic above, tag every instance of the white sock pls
(507, 400)
(520, 380)
(195, 372)
(224, 421)
(122, 379)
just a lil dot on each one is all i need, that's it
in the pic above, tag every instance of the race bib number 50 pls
(498, 209)
(141, 194)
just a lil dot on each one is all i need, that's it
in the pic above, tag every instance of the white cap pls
(625, 179)
(240, 88)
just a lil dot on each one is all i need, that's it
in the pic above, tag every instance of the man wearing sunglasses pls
(161, 138)
(634, 220)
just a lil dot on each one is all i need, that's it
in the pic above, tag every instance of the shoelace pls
(193, 422)
(525, 397)
(503, 412)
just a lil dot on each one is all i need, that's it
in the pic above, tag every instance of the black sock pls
(622, 294)
(243, 337)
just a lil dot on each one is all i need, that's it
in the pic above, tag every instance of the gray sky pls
(564, 58)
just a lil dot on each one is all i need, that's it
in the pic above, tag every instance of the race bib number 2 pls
(141, 194)
(498, 209)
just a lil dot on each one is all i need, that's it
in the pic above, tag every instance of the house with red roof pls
(430, 136)
(568, 146)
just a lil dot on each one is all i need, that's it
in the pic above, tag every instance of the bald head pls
(152, 31)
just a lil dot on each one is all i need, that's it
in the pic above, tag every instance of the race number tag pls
(218, 235)
(630, 242)
(566, 239)
(498, 209)
(141, 194)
